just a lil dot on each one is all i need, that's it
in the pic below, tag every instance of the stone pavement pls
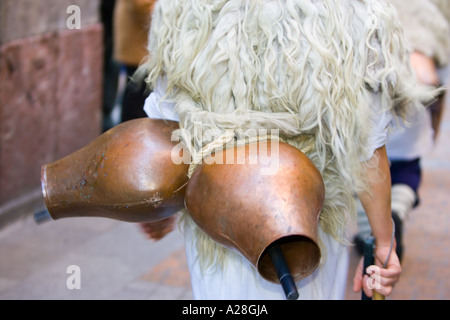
(116, 261)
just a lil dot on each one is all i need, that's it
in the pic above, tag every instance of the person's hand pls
(382, 280)
(425, 69)
(158, 229)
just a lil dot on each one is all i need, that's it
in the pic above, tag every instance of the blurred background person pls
(132, 19)
(110, 66)
(427, 28)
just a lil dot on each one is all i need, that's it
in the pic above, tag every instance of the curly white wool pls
(306, 67)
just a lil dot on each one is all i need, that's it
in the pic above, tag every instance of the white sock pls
(403, 199)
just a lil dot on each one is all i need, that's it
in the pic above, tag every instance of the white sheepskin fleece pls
(308, 68)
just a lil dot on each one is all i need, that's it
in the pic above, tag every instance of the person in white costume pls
(332, 74)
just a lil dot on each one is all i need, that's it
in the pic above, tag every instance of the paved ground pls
(116, 261)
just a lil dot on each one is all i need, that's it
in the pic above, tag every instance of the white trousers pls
(238, 279)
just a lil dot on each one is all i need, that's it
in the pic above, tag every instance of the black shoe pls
(398, 235)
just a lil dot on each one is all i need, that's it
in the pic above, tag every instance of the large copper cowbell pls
(248, 209)
(125, 174)
(128, 174)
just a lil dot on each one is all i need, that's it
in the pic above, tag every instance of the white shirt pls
(156, 107)
(412, 141)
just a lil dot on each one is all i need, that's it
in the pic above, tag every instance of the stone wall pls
(50, 92)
